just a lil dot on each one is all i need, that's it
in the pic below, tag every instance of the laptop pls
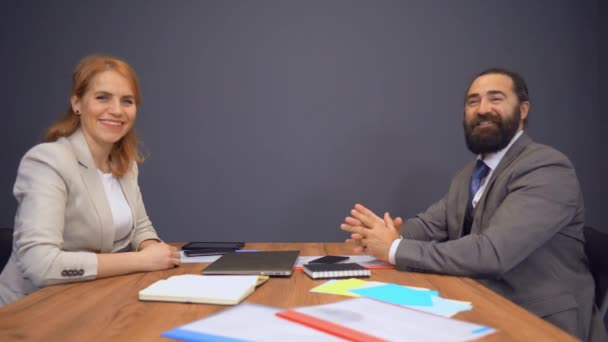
(270, 263)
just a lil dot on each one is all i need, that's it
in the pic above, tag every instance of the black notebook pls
(351, 269)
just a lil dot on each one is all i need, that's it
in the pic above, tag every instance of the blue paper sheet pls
(443, 307)
(398, 294)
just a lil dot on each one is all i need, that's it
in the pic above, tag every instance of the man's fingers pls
(357, 247)
(352, 221)
(388, 221)
(352, 229)
(366, 220)
(361, 208)
(356, 236)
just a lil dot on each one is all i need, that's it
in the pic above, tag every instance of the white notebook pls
(192, 288)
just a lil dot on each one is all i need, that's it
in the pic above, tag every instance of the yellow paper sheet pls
(340, 287)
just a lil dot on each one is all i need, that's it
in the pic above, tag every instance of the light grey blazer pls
(526, 241)
(64, 219)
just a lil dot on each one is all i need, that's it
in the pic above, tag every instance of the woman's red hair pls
(125, 150)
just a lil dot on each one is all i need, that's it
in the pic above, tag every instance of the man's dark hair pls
(519, 84)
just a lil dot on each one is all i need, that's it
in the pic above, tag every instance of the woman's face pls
(107, 110)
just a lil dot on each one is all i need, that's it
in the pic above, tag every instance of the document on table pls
(247, 322)
(343, 287)
(364, 319)
(398, 294)
(413, 297)
(203, 259)
(444, 307)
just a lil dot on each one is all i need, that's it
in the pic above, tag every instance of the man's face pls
(492, 113)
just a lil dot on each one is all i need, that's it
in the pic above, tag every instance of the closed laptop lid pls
(270, 263)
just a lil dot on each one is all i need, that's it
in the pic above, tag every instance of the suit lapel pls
(92, 181)
(515, 150)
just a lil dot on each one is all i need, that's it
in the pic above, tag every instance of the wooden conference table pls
(108, 309)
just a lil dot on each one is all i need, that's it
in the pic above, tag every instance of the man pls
(513, 219)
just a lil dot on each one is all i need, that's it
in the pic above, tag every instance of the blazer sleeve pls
(429, 225)
(543, 198)
(41, 193)
(143, 226)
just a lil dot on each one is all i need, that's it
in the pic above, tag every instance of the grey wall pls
(602, 109)
(267, 120)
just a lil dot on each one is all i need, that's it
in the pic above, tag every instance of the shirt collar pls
(492, 159)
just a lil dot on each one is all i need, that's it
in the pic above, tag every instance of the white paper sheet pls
(248, 321)
(395, 323)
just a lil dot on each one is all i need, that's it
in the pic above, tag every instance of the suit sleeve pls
(429, 225)
(41, 193)
(143, 226)
(542, 199)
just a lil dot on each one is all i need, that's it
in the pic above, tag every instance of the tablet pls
(206, 245)
(207, 251)
(329, 259)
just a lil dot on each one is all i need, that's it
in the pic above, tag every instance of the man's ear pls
(75, 102)
(524, 108)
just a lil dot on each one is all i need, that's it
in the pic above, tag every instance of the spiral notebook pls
(351, 269)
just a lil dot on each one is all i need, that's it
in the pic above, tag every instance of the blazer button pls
(81, 272)
(64, 273)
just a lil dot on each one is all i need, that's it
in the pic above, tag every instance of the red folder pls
(328, 327)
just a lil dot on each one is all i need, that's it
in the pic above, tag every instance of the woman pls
(79, 201)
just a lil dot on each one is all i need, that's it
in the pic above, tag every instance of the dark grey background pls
(268, 120)
(602, 108)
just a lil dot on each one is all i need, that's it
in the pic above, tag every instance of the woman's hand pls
(158, 256)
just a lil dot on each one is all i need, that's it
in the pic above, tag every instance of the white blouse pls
(121, 212)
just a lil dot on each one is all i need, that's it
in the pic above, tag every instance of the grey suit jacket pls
(63, 218)
(526, 240)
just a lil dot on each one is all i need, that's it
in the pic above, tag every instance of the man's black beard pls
(491, 139)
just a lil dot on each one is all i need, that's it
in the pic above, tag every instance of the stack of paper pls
(247, 322)
(191, 288)
(364, 319)
(359, 319)
(416, 298)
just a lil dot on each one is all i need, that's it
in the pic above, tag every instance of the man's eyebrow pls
(470, 96)
(496, 92)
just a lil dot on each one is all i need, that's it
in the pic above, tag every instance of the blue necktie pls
(479, 173)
